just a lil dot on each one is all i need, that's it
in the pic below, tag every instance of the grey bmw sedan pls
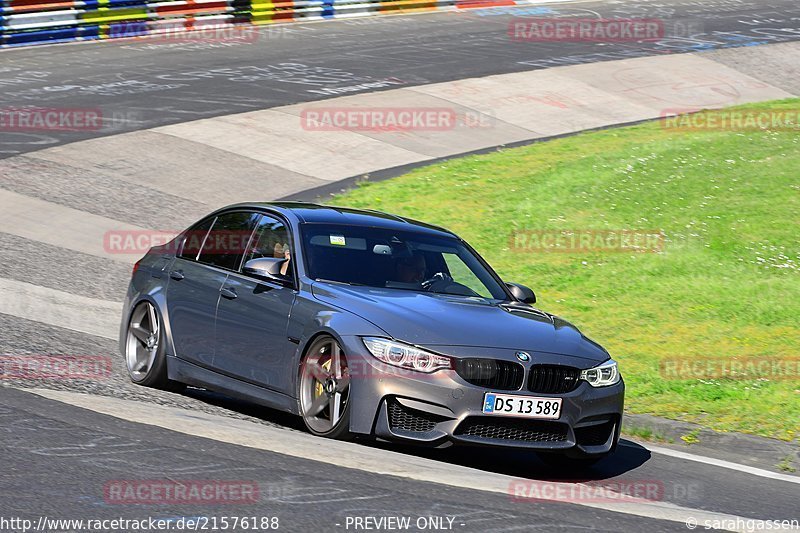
(367, 324)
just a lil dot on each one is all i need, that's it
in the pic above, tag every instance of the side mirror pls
(521, 293)
(268, 268)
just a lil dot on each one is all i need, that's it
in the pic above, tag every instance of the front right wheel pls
(325, 390)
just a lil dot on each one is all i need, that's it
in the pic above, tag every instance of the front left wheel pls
(325, 390)
(145, 357)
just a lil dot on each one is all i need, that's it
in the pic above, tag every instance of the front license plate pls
(522, 406)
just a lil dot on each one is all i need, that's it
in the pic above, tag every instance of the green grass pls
(727, 283)
(691, 437)
(786, 465)
(645, 433)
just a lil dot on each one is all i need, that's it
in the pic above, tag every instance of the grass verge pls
(725, 286)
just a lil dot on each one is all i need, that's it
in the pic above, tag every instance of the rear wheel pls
(325, 390)
(145, 357)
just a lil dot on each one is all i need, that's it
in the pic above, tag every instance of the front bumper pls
(442, 409)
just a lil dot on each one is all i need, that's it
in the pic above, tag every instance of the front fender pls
(145, 286)
(312, 318)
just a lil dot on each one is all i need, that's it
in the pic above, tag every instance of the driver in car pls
(287, 254)
(411, 269)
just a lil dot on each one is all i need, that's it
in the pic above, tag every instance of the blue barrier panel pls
(55, 35)
(327, 9)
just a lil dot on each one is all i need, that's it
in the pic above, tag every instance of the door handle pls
(230, 294)
(177, 275)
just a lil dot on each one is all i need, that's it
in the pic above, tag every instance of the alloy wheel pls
(324, 387)
(144, 334)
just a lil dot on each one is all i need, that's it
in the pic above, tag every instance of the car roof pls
(313, 213)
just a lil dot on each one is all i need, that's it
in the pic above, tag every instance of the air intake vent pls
(509, 429)
(594, 435)
(491, 373)
(406, 419)
(553, 379)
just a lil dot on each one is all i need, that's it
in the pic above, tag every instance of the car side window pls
(226, 242)
(271, 239)
(194, 238)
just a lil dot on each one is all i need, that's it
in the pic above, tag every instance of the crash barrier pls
(25, 22)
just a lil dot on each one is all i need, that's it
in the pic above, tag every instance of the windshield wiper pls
(457, 295)
(350, 283)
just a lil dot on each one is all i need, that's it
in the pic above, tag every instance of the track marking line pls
(355, 456)
(722, 464)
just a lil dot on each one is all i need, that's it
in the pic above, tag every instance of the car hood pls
(429, 319)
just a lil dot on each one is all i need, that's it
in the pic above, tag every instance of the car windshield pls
(403, 260)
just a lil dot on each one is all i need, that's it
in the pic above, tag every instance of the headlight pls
(603, 375)
(405, 356)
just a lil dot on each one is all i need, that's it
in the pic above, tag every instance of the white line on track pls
(356, 456)
(722, 464)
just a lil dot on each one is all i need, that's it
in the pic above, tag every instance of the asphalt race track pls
(140, 85)
(59, 457)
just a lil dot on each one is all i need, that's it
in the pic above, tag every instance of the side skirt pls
(197, 376)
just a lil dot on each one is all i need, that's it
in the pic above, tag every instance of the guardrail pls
(25, 22)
